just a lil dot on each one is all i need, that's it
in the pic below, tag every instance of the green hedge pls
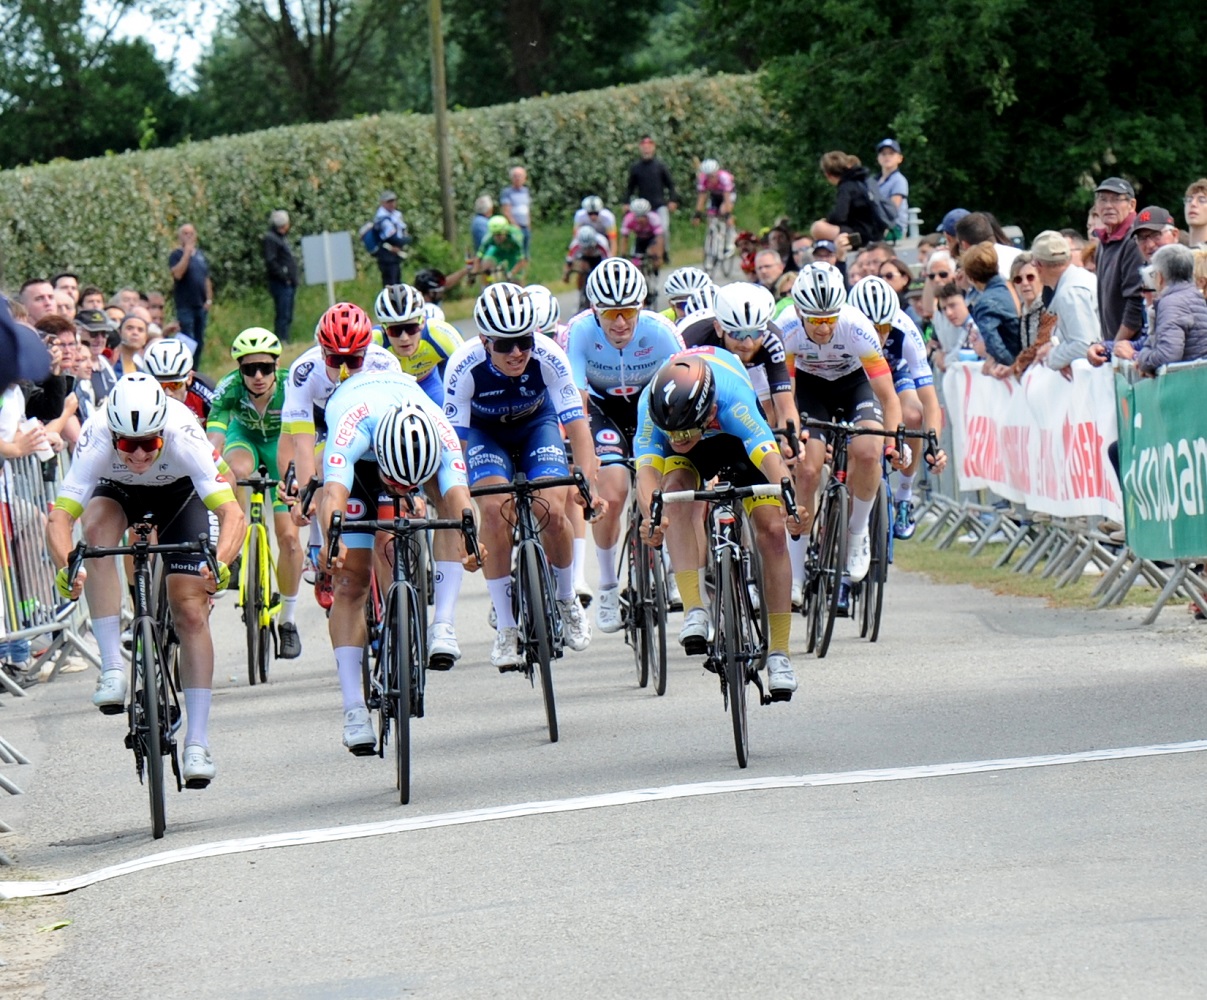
(112, 220)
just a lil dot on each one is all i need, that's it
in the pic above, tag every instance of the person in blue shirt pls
(698, 416)
(192, 289)
(893, 184)
(392, 237)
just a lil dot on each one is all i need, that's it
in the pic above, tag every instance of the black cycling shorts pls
(178, 513)
(723, 456)
(613, 426)
(850, 398)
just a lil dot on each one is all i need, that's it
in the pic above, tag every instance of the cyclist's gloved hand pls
(63, 585)
(224, 576)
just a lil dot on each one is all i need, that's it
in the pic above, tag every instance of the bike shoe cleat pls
(199, 767)
(506, 651)
(110, 694)
(289, 644)
(359, 735)
(442, 647)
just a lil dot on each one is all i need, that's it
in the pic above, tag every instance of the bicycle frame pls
(261, 604)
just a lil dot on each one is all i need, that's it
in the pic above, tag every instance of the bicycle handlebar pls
(724, 492)
(851, 430)
(141, 548)
(524, 485)
(260, 481)
(789, 435)
(403, 526)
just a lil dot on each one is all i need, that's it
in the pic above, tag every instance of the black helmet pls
(682, 393)
(429, 280)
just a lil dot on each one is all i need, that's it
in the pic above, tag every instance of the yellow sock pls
(781, 630)
(689, 589)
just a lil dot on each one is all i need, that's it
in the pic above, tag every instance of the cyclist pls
(592, 213)
(615, 348)
(245, 427)
(505, 393)
(740, 322)
(715, 187)
(586, 251)
(433, 283)
(387, 437)
(699, 417)
(841, 374)
(144, 458)
(912, 378)
(678, 287)
(170, 362)
(502, 256)
(422, 345)
(643, 224)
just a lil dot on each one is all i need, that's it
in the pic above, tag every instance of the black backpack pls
(884, 213)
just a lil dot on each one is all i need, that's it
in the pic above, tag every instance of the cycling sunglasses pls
(132, 446)
(172, 386)
(743, 334)
(403, 329)
(628, 313)
(254, 368)
(682, 437)
(506, 345)
(350, 361)
(821, 320)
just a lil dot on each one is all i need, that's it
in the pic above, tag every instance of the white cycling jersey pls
(309, 386)
(855, 344)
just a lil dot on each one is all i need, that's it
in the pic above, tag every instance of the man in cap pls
(100, 333)
(392, 239)
(1118, 260)
(948, 228)
(1074, 301)
(824, 252)
(1154, 228)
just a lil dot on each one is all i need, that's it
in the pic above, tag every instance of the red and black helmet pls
(345, 329)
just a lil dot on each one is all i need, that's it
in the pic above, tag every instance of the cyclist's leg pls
(611, 448)
(104, 522)
(912, 417)
(863, 475)
(489, 463)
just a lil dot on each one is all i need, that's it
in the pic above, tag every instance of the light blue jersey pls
(604, 370)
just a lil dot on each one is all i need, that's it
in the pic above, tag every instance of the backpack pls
(884, 214)
(369, 237)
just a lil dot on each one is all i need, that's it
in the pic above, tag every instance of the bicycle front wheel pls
(832, 546)
(634, 605)
(538, 611)
(873, 583)
(655, 618)
(399, 672)
(250, 592)
(147, 732)
(726, 259)
(731, 643)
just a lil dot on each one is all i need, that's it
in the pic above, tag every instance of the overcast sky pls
(184, 49)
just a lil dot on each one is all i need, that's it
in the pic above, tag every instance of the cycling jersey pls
(767, 369)
(643, 227)
(604, 222)
(309, 386)
(437, 342)
(508, 253)
(233, 402)
(603, 370)
(598, 247)
(906, 354)
(719, 183)
(200, 397)
(737, 415)
(186, 455)
(854, 344)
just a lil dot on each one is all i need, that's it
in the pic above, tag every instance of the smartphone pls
(856, 240)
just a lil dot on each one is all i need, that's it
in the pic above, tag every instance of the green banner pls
(1163, 462)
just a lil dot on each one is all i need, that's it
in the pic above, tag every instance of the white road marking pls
(23, 890)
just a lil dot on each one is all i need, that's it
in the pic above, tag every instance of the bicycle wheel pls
(163, 613)
(712, 256)
(726, 260)
(249, 591)
(401, 615)
(635, 601)
(373, 640)
(537, 611)
(731, 643)
(147, 732)
(655, 618)
(873, 584)
(264, 589)
(832, 546)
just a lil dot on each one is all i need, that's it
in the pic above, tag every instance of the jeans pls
(282, 297)
(192, 325)
(390, 265)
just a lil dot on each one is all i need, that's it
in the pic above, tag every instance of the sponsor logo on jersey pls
(302, 372)
(569, 392)
(355, 508)
(458, 465)
(643, 352)
(348, 424)
(336, 461)
(450, 409)
(476, 449)
(625, 390)
(607, 436)
(549, 451)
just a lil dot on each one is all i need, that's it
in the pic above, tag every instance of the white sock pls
(197, 716)
(108, 632)
(448, 588)
(607, 567)
(861, 510)
(580, 557)
(500, 594)
(563, 582)
(798, 548)
(347, 665)
(905, 488)
(289, 609)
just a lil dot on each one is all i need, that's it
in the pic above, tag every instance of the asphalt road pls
(1082, 879)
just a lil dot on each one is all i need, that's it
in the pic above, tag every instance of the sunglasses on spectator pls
(1195, 199)
(821, 320)
(939, 274)
(1018, 279)
(254, 368)
(508, 345)
(173, 386)
(403, 329)
(628, 313)
(132, 446)
(350, 361)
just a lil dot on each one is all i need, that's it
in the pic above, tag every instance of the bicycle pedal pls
(373, 702)
(129, 741)
(440, 661)
(712, 666)
(777, 696)
(509, 668)
(364, 750)
(196, 783)
(696, 646)
(112, 709)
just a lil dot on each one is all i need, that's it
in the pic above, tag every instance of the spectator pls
(893, 184)
(1074, 302)
(1195, 210)
(650, 179)
(768, 268)
(133, 332)
(875, 256)
(282, 271)
(959, 326)
(192, 290)
(927, 245)
(802, 252)
(897, 273)
(1180, 325)
(1154, 228)
(392, 240)
(64, 303)
(37, 296)
(981, 227)
(1200, 270)
(948, 228)
(63, 342)
(1077, 243)
(91, 297)
(484, 208)
(515, 202)
(824, 252)
(852, 211)
(154, 305)
(1120, 305)
(67, 282)
(993, 310)
(433, 283)
(128, 298)
(1089, 256)
(1035, 323)
(97, 330)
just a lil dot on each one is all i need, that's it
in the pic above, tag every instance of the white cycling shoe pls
(199, 767)
(607, 614)
(359, 734)
(693, 636)
(859, 555)
(575, 624)
(781, 679)
(442, 648)
(505, 654)
(110, 693)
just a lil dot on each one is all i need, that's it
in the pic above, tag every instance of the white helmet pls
(682, 281)
(616, 282)
(592, 203)
(709, 166)
(639, 207)
(587, 236)
(399, 304)
(548, 311)
(407, 445)
(701, 300)
(168, 359)
(819, 290)
(743, 309)
(433, 311)
(136, 406)
(504, 310)
(875, 298)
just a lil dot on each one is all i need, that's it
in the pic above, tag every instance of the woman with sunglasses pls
(245, 426)
(145, 453)
(422, 345)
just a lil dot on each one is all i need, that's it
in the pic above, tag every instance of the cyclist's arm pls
(701, 198)
(58, 536)
(882, 386)
(335, 498)
(784, 405)
(231, 525)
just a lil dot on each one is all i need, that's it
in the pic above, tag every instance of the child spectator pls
(893, 184)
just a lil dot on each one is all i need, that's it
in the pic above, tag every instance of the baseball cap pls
(892, 144)
(1051, 247)
(1153, 217)
(1117, 185)
(948, 225)
(387, 196)
(94, 321)
(825, 245)
(22, 353)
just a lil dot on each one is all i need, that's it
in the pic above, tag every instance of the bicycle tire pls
(538, 611)
(711, 250)
(831, 565)
(726, 261)
(264, 588)
(735, 666)
(150, 736)
(399, 695)
(372, 631)
(634, 618)
(250, 592)
(655, 619)
(881, 526)
(760, 617)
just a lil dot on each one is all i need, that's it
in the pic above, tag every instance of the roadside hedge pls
(112, 220)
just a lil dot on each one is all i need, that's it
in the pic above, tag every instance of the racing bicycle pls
(261, 603)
